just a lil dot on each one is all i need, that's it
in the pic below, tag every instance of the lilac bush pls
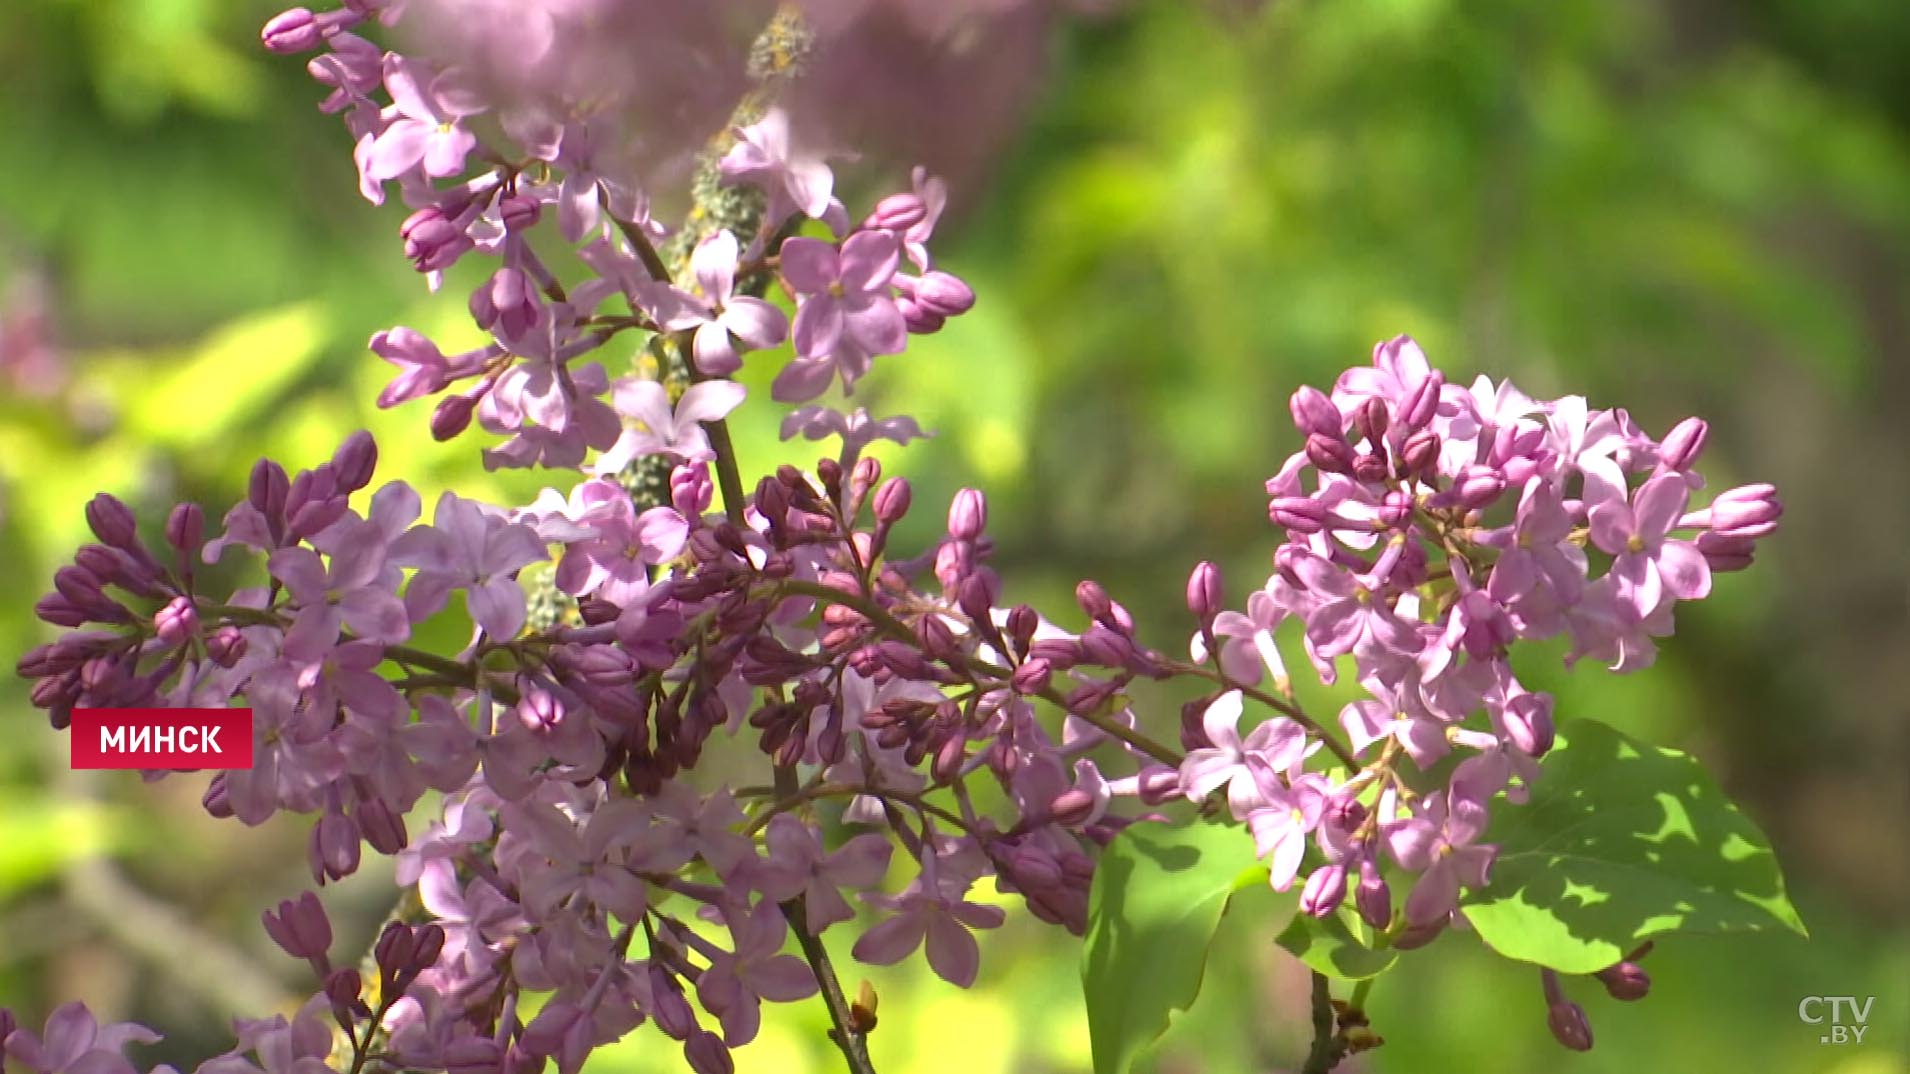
(663, 614)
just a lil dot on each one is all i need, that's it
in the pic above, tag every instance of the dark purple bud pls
(383, 826)
(300, 927)
(1372, 897)
(1204, 592)
(214, 800)
(354, 461)
(267, 488)
(892, 500)
(1479, 486)
(1419, 456)
(944, 294)
(343, 987)
(1626, 981)
(1417, 936)
(918, 318)
(1372, 419)
(432, 241)
(967, 515)
(707, 1054)
(1032, 677)
(1722, 552)
(1683, 444)
(939, 640)
(1297, 514)
(1569, 1025)
(333, 850)
(177, 621)
(691, 490)
(186, 528)
(1315, 415)
(1159, 783)
(948, 759)
(897, 212)
(1370, 469)
(1094, 600)
(1324, 890)
(1423, 403)
(1072, 807)
(314, 515)
(1344, 811)
(1330, 454)
(112, 521)
(668, 1007)
(226, 645)
(452, 416)
(1060, 653)
(519, 212)
(294, 30)
(1528, 724)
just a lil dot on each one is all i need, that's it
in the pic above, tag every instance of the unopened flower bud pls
(1529, 726)
(1073, 807)
(1423, 403)
(1370, 469)
(1032, 677)
(918, 318)
(226, 645)
(1204, 592)
(897, 212)
(1330, 454)
(293, 30)
(1683, 444)
(1479, 486)
(300, 927)
(1746, 511)
(1372, 419)
(707, 1054)
(177, 621)
(1625, 981)
(383, 827)
(452, 416)
(354, 461)
(944, 294)
(344, 987)
(892, 500)
(1023, 621)
(1419, 456)
(967, 515)
(333, 849)
(267, 487)
(186, 527)
(519, 212)
(1159, 783)
(1372, 897)
(112, 522)
(1324, 890)
(1314, 414)
(1298, 514)
(1724, 552)
(1093, 600)
(1569, 1025)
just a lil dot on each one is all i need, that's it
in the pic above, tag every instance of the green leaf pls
(1620, 842)
(1338, 945)
(1157, 898)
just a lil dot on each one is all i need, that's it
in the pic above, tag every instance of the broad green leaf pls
(1338, 945)
(1620, 842)
(1157, 898)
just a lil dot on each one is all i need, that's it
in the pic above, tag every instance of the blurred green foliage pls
(1677, 207)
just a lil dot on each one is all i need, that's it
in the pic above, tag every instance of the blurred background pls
(1185, 210)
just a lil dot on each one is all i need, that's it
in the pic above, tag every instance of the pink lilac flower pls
(473, 548)
(847, 315)
(737, 981)
(794, 181)
(1650, 563)
(661, 429)
(1243, 766)
(426, 129)
(73, 1042)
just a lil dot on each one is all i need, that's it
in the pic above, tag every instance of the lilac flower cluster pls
(579, 856)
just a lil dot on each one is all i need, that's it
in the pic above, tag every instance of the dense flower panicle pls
(1427, 529)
